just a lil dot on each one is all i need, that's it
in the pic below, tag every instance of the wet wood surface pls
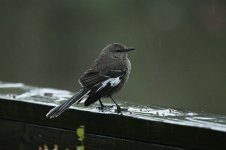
(23, 122)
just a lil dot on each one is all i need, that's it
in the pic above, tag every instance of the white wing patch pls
(113, 81)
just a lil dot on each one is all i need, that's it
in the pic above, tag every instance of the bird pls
(105, 77)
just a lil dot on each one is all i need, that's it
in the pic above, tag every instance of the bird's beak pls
(126, 50)
(130, 49)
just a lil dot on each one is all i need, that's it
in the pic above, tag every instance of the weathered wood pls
(23, 109)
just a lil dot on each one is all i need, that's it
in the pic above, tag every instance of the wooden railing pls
(24, 125)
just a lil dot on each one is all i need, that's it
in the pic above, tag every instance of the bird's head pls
(116, 50)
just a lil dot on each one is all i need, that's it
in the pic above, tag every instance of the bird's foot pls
(119, 109)
(104, 108)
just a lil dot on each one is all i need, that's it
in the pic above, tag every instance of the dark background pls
(179, 61)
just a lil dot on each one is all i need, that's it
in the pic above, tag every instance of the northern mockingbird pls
(105, 77)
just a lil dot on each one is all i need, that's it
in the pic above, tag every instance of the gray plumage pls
(105, 77)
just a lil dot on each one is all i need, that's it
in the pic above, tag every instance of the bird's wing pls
(93, 78)
(114, 78)
(90, 79)
(104, 87)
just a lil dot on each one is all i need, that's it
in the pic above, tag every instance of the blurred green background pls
(179, 62)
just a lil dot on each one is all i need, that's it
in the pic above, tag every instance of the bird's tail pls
(56, 111)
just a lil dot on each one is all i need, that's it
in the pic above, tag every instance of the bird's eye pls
(118, 51)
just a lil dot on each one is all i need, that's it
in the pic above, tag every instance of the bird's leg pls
(119, 110)
(103, 107)
(101, 104)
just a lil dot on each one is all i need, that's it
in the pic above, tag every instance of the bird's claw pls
(119, 110)
(103, 108)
